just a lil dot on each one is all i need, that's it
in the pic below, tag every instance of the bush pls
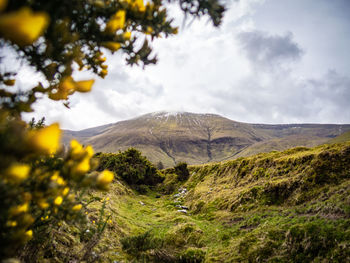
(182, 171)
(40, 187)
(132, 167)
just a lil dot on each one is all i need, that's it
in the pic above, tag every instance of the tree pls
(39, 184)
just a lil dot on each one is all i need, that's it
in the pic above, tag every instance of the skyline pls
(252, 69)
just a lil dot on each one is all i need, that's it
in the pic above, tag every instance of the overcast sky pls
(272, 61)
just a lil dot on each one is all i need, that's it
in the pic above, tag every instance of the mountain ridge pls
(171, 137)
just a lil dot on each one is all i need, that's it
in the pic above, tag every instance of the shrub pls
(182, 171)
(39, 185)
(132, 167)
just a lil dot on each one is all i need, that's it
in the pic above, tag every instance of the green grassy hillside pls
(345, 137)
(290, 206)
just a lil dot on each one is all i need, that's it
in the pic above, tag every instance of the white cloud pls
(248, 70)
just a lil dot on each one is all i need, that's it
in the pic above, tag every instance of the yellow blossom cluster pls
(22, 27)
(42, 182)
(45, 140)
(68, 86)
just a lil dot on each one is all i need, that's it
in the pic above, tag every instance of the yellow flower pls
(89, 150)
(105, 178)
(76, 149)
(28, 234)
(64, 89)
(149, 30)
(104, 72)
(104, 66)
(84, 85)
(60, 181)
(46, 140)
(107, 198)
(18, 172)
(19, 209)
(127, 35)
(65, 191)
(116, 22)
(112, 46)
(3, 4)
(23, 26)
(58, 200)
(42, 203)
(77, 207)
(11, 223)
(9, 82)
(83, 166)
(57, 178)
(102, 59)
(140, 5)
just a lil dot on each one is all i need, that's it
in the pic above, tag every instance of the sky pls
(271, 61)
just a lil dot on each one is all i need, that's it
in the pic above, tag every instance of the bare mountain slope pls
(200, 138)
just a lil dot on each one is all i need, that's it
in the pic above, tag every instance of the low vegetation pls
(131, 167)
(289, 206)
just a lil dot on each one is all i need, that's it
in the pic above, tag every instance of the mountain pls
(200, 138)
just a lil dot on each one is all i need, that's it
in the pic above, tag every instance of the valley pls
(290, 206)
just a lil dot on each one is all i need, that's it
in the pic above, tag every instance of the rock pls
(184, 207)
(182, 211)
(142, 203)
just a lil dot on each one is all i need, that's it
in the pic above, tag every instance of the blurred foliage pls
(56, 37)
(132, 167)
(42, 187)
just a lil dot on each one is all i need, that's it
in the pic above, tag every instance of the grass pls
(290, 206)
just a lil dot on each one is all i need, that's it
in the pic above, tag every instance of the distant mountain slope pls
(341, 138)
(200, 138)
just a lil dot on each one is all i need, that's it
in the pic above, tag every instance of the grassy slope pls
(292, 206)
(341, 138)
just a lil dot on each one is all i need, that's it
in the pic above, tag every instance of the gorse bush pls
(41, 187)
(131, 166)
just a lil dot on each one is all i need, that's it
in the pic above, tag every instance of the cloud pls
(268, 52)
(248, 70)
(283, 98)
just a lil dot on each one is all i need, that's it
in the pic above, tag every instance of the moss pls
(192, 255)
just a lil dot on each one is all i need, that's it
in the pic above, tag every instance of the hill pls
(290, 206)
(201, 138)
(341, 138)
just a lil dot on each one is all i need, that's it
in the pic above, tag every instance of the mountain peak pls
(176, 114)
